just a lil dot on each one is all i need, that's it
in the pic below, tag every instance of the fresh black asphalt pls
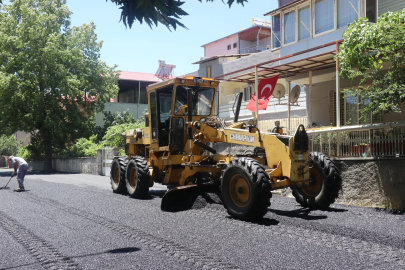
(74, 221)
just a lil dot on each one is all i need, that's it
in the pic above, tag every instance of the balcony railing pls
(254, 48)
(375, 140)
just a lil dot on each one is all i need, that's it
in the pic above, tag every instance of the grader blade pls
(183, 197)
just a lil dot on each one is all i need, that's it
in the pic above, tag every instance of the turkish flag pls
(265, 89)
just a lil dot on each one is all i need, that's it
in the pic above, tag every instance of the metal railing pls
(374, 140)
(254, 48)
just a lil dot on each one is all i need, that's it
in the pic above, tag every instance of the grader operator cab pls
(177, 148)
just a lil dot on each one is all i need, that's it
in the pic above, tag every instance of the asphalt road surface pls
(74, 221)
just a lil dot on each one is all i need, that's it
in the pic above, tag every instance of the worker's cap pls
(10, 157)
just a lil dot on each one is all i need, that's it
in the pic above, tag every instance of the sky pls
(138, 49)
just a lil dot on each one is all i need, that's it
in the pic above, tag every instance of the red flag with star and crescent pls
(265, 90)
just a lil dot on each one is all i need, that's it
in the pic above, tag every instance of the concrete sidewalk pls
(8, 171)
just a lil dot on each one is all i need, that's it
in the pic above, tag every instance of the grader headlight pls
(252, 122)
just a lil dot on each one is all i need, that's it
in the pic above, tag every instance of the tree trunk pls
(48, 153)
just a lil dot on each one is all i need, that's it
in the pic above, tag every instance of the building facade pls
(131, 96)
(305, 38)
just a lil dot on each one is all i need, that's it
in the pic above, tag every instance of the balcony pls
(254, 48)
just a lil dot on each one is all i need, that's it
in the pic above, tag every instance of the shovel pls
(5, 187)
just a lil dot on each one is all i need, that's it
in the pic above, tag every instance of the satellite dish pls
(279, 91)
(295, 94)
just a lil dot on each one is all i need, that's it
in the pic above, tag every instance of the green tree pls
(114, 138)
(82, 148)
(113, 119)
(9, 145)
(153, 12)
(51, 77)
(375, 53)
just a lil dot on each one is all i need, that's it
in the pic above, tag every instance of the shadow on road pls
(192, 199)
(262, 221)
(155, 193)
(303, 213)
(123, 250)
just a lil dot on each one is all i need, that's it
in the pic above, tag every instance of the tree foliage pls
(113, 119)
(9, 146)
(51, 78)
(114, 138)
(82, 148)
(166, 12)
(375, 52)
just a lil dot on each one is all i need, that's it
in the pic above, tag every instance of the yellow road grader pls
(177, 148)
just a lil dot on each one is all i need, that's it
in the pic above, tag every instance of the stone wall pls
(70, 165)
(91, 165)
(373, 182)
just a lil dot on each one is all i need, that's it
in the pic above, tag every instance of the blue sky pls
(139, 49)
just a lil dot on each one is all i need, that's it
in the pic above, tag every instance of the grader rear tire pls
(325, 185)
(245, 189)
(117, 175)
(137, 178)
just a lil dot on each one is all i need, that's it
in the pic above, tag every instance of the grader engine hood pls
(288, 159)
(137, 136)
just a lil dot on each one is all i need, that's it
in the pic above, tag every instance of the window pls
(324, 19)
(348, 11)
(289, 27)
(304, 23)
(153, 116)
(247, 93)
(164, 110)
(276, 31)
(235, 45)
(202, 100)
(351, 105)
(354, 104)
(229, 47)
(351, 109)
(371, 10)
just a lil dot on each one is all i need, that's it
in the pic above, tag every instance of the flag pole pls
(257, 95)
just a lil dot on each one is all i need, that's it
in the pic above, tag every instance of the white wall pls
(220, 47)
(24, 136)
(320, 102)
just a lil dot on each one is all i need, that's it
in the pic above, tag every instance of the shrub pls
(82, 148)
(9, 145)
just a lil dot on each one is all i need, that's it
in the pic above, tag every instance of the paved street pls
(74, 221)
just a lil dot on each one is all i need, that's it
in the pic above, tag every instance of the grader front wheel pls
(245, 189)
(324, 186)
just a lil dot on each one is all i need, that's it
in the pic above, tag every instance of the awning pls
(287, 69)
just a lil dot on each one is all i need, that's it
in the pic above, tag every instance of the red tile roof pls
(138, 76)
